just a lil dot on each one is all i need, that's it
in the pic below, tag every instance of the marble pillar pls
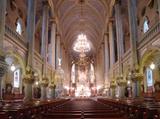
(2, 23)
(111, 43)
(52, 91)
(28, 82)
(29, 76)
(113, 89)
(31, 13)
(136, 83)
(44, 91)
(133, 32)
(57, 49)
(44, 47)
(119, 32)
(158, 1)
(53, 38)
(106, 54)
(122, 85)
(44, 50)
(135, 75)
(3, 65)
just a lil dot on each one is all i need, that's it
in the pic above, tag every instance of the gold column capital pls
(121, 81)
(113, 84)
(29, 76)
(135, 75)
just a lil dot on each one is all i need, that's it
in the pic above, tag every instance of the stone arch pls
(11, 53)
(152, 54)
(14, 57)
(152, 51)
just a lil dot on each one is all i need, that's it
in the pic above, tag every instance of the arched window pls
(19, 26)
(145, 25)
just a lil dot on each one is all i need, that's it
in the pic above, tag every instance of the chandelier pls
(82, 45)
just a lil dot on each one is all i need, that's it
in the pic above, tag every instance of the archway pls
(150, 67)
(12, 84)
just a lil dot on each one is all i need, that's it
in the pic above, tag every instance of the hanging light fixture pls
(82, 44)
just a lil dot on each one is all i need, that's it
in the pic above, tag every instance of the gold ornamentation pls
(44, 82)
(52, 86)
(29, 76)
(113, 84)
(121, 81)
(135, 75)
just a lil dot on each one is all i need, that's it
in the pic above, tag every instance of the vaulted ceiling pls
(81, 16)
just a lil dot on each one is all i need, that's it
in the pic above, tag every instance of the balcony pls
(149, 35)
(14, 36)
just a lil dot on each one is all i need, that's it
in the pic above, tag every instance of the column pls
(52, 50)
(44, 90)
(44, 50)
(133, 31)
(111, 43)
(121, 87)
(112, 89)
(119, 32)
(29, 77)
(106, 61)
(106, 51)
(52, 91)
(51, 86)
(2, 23)
(135, 75)
(158, 7)
(57, 49)
(3, 66)
(44, 47)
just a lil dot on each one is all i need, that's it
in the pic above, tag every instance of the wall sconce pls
(36, 83)
(12, 67)
(128, 82)
(152, 66)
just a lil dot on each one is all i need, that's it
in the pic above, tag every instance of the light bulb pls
(128, 82)
(152, 66)
(13, 68)
(36, 83)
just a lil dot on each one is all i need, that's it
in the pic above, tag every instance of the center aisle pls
(83, 109)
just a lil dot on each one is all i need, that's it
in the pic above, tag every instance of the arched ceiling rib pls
(81, 28)
(88, 31)
(75, 18)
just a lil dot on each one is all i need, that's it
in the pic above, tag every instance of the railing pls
(15, 36)
(150, 34)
